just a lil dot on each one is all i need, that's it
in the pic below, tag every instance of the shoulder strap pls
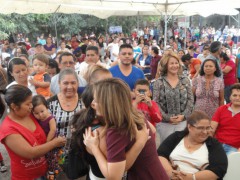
(194, 166)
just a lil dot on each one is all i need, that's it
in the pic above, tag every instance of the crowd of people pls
(110, 97)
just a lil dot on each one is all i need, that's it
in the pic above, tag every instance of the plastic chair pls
(233, 171)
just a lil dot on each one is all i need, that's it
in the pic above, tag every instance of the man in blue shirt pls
(125, 70)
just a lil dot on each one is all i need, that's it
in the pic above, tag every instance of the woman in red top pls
(23, 137)
(229, 74)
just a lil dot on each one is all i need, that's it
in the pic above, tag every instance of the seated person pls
(192, 153)
(226, 122)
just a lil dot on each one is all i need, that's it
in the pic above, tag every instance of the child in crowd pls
(48, 124)
(3, 168)
(41, 79)
(144, 103)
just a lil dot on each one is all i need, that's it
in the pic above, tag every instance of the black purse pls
(74, 165)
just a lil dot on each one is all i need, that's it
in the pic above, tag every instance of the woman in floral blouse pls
(172, 91)
(208, 88)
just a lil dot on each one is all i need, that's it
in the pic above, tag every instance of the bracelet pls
(193, 177)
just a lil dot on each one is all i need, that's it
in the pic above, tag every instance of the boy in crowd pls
(144, 103)
(41, 79)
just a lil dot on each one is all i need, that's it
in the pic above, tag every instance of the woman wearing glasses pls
(192, 153)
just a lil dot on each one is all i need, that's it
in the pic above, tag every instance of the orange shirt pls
(192, 65)
(42, 91)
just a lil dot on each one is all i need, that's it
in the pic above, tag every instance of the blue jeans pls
(227, 93)
(229, 149)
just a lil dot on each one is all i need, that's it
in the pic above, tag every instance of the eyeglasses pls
(202, 128)
(68, 62)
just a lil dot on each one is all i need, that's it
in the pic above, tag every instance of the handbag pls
(74, 164)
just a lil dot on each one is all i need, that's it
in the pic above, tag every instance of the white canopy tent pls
(106, 8)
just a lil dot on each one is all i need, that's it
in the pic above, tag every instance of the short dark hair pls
(141, 82)
(186, 57)
(93, 48)
(54, 64)
(234, 86)
(217, 73)
(66, 54)
(38, 100)
(124, 46)
(215, 46)
(224, 56)
(155, 50)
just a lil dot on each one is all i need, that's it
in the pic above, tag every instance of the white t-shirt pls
(198, 157)
(114, 50)
(30, 86)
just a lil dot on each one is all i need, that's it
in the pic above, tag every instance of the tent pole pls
(55, 24)
(185, 32)
(138, 22)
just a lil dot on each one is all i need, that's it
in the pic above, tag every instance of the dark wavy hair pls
(217, 73)
(82, 120)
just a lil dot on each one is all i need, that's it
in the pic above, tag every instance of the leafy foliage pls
(32, 25)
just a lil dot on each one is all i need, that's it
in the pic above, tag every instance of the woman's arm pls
(236, 62)
(167, 166)
(21, 147)
(227, 69)
(52, 127)
(221, 97)
(201, 175)
(110, 171)
(50, 52)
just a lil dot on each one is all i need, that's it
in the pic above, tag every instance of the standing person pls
(173, 93)
(17, 72)
(3, 168)
(204, 54)
(125, 70)
(41, 79)
(50, 48)
(154, 62)
(194, 65)
(23, 137)
(87, 118)
(229, 74)
(238, 65)
(144, 103)
(143, 61)
(64, 104)
(121, 119)
(208, 88)
(66, 60)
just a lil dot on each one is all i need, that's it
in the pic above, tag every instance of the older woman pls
(229, 74)
(193, 153)
(23, 137)
(67, 102)
(172, 92)
(208, 88)
(17, 72)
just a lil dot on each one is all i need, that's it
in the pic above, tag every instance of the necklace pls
(67, 102)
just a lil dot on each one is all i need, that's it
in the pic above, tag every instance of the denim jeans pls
(229, 149)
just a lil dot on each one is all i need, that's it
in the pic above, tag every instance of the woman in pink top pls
(229, 74)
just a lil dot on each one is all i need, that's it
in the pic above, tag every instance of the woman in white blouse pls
(192, 153)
